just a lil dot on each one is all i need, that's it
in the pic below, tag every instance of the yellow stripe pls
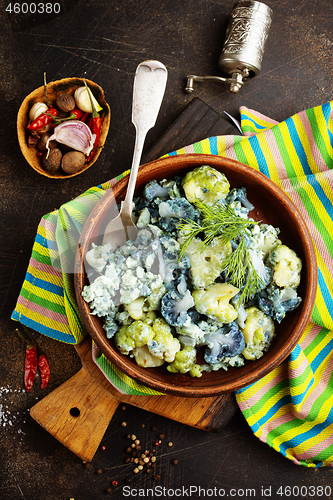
(52, 297)
(253, 419)
(297, 165)
(46, 251)
(309, 443)
(247, 117)
(283, 410)
(249, 154)
(43, 320)
(50, 278)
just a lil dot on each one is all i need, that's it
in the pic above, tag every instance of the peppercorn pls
(128, 436)
(136, 470)
(128, 449)
(153, 428)
(99, 471)
(137, 441)
(108, 490)
(161, 436)
(127, 460)
(174, 461)
(123, 424)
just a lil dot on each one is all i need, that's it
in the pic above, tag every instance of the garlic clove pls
(37, 109)
(75, 134)
(82, 100)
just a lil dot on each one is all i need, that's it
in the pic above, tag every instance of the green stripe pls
(281, 429)
(279, 138)
(197, 147)
(272, 392)
(42, 301)
(317, 131)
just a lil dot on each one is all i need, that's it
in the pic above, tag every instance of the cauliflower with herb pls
(258, 333)
(286, 266)
(206, 265)
(206, 184)
(184, 361)
(173, 211)
(213, 301)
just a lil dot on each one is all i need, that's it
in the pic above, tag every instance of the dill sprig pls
(221, 221)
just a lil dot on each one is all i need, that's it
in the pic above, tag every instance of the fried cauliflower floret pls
(164, 345)
(206, 265)
(206, 184)
(137, 334)
(149, 340)
(184, 361)
(286, 266)
(258, 333)
(214, 301)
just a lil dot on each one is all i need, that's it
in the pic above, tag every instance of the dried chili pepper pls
(31, 361)
(95, 124)
(34, 359)
(44, 369)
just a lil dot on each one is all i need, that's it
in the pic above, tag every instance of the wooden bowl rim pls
(22, 121)
(169, 385)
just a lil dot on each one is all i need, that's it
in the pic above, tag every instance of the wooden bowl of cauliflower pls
(216, 289)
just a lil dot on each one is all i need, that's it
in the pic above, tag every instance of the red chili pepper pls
(76, 114)
(33, 361)
(84, 117)
(44, 369)
(30, 368)
(95, 124)
(44, 119)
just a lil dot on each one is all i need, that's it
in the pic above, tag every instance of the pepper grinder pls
(244, 44)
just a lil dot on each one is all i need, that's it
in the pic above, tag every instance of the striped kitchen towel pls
(290, 408)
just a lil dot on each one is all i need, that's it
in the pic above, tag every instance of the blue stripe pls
(325, 292)
(44, 285)
(257, 125)
(327, 109)
(298, 146)
(271, 412)
(304, 436)
(213, 145)
(44, 242)
(49, 332)
(259, 155)
(325, 200)
(324, 353)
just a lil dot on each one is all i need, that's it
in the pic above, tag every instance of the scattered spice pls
(161, 436)
(108, 490)
(103, 447)
(99, 471)
(154, 428)
(174, 461)
(170, 444)
(123, 424)
(114, 483)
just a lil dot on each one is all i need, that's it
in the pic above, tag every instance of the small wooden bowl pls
(68, 86)
(272, 206)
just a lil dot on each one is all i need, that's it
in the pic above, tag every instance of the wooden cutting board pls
(79, 411)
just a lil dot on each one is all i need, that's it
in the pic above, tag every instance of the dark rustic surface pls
(105, 41)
